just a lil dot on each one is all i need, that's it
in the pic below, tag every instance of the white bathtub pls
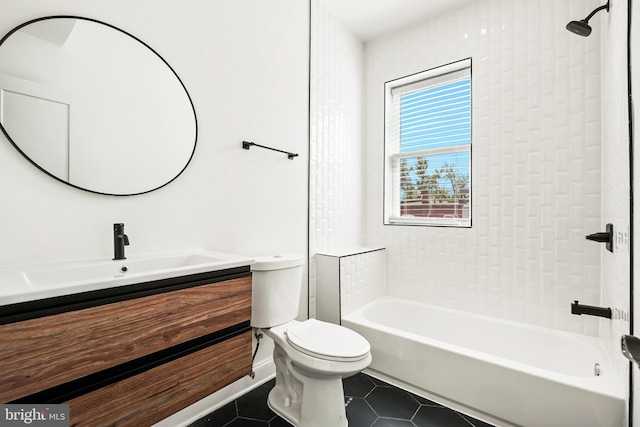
(506, 373)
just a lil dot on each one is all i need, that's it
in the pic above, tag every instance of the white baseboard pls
(264, 371)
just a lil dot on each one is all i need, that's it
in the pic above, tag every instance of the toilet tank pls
(276, 286)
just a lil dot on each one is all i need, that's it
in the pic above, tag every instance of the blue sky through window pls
(437, 117)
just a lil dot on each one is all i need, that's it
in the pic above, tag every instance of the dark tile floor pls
(369, 401)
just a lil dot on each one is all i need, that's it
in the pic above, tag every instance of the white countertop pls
(29, 282)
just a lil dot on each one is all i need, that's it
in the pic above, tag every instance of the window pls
(428, 147)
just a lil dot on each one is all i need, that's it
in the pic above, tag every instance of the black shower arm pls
(604, 6)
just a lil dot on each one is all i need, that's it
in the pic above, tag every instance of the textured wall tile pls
(336, 206)
(615, 180)
(546, 118)
(535, 176)
(362, 279)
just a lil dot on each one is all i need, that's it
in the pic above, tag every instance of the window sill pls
(433, 222)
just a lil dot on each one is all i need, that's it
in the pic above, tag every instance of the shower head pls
(582, 27)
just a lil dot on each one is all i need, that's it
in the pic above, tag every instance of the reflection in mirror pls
(93, 106)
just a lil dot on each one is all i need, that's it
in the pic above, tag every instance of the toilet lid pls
(327, 341)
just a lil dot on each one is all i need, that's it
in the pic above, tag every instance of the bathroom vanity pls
(129, 355)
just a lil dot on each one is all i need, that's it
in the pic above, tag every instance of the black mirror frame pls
(195, 142)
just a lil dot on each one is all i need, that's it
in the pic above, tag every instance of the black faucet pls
(120, 240)
(591, 310)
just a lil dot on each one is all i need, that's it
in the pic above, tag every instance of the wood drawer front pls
(41, 353)
(151, 396)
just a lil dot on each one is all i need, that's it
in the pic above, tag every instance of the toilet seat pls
(327, 341)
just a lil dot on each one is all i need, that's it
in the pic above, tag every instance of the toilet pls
(311, 357)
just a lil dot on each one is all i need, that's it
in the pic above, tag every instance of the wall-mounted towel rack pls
(246, 145)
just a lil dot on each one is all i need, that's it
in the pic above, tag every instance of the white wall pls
(245, 65)
(616, 266)
(547, 118)
(536, 164)
(550, 165)
(138, 137)
(336, 217)
(635, 93)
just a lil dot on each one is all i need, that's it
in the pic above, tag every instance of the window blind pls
(428, 142)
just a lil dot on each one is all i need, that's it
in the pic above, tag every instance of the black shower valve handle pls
(603, 237)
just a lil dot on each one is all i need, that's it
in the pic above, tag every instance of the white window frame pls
(393, 156)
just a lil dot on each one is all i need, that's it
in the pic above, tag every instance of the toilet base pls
(322, 406)
(306, 399)
(308, 390)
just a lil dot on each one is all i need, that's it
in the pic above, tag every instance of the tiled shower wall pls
(336, 214)
(536, 177)
(616, 266)
(361, 279)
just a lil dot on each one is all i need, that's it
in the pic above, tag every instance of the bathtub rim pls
(607, 384)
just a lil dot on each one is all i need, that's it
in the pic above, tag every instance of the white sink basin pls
(63, 278)
(113, 269)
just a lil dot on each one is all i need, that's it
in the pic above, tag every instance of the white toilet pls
(311, 357)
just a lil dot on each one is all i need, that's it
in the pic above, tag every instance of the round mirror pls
(93, 106)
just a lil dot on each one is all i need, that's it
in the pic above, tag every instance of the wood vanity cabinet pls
(130, 356)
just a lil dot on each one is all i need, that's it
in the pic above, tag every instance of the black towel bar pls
(246, 145)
